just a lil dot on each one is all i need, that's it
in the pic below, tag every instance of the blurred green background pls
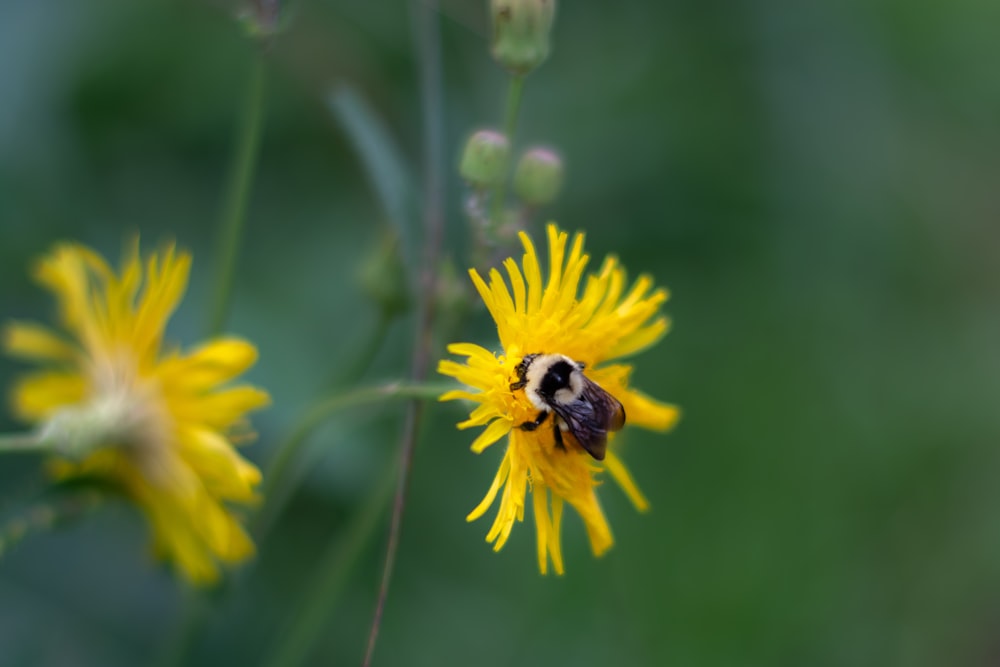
(819, 185)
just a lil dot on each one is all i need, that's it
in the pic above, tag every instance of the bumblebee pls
(556, 385)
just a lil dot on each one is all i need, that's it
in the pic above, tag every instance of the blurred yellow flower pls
(156, 424)
(533, 316)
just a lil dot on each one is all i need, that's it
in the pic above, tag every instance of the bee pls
(556, 385)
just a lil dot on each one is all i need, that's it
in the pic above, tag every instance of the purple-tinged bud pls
(538, 177)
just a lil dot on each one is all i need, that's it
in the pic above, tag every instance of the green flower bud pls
(484, 160)
(538, 177)
(383, 277)
(521, 32)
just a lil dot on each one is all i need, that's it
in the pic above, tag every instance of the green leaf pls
(390, 176)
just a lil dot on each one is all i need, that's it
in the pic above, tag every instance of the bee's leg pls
(522, 371)
(558, 435)
(531, 426)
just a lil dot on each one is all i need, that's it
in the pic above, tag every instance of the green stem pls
(234, 212)
(22, 442)
(337, 564)
(276, 489)
(425, 19)
(275, 485)
(514, 91)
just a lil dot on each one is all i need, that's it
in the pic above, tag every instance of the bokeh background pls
(817, 182)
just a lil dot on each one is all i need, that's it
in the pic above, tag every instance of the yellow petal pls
(491, 495)
(209, 365)
(557, 247)
(64, 271)
(191, 527)
(621, 475)
(484, 292)
(640, 339)
(496, 430)
(501, 295)
(28, 340)
(555, 546)
(480, 416)
(642, 410)
(467, 375)
(459, 394)
(38, 395)
(532, 274)
(471, 350)
(225, 473)
(543, 527)
(511, 505)
(169, 511)
(517, 283)
(594, 521)
(220, 409)
(165, 285)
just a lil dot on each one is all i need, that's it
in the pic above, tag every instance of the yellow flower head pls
(165, 417)
(533, 316)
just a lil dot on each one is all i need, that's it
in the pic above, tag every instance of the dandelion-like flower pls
(157, 424)
(533, 316)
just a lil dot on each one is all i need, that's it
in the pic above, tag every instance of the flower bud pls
(484, 160)
(538, 177)
(383, 277)
(521, 32)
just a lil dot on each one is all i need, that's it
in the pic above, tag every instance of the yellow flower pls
(602, 324)
(157, 423)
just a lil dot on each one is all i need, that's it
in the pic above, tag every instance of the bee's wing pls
(591, 416)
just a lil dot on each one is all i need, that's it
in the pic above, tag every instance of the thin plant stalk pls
(194, 609)
(333, 571)
(234, 211)
(511, 109)
(274, 488)
(425, 22)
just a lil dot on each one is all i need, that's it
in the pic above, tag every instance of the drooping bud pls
(485, 158)
(538, 177)
(383, 277)
(521, 32)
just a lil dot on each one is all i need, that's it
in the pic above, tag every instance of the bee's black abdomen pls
(556, 378)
